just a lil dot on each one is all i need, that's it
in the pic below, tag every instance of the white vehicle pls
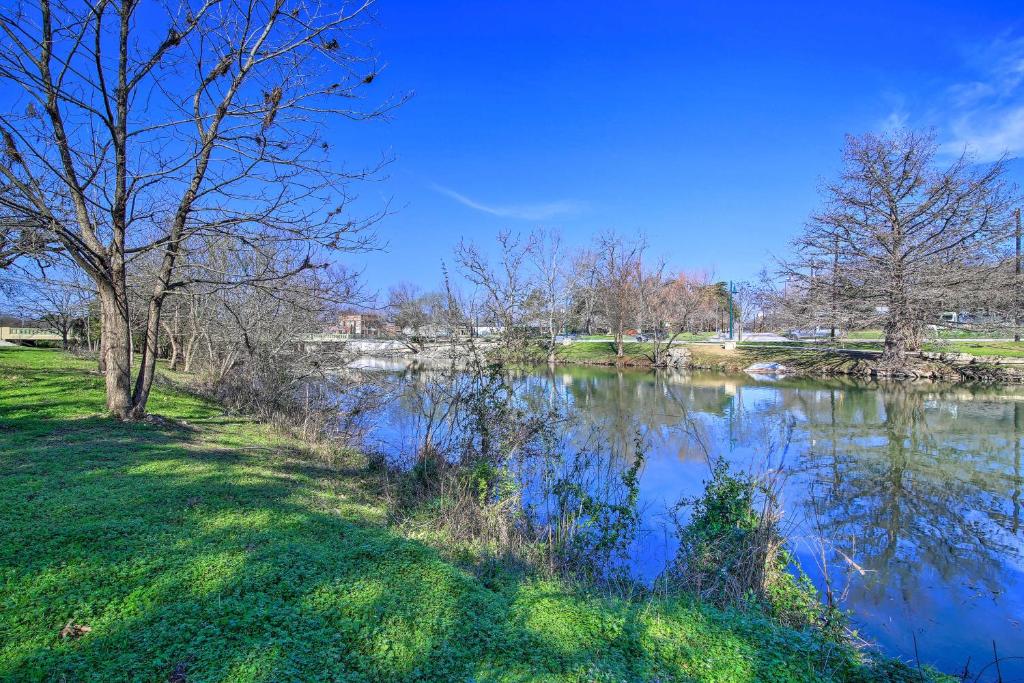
(815, 333)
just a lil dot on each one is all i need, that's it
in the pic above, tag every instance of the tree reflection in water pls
(917, 484)
(922, 487)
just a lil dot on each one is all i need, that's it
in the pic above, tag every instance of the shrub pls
(732, 552)
(596, 520)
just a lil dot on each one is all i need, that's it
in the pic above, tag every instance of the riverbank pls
(202, 546)
(966, 361)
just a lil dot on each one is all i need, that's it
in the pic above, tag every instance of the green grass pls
(685, 336)
(1006, 349)
(603, 352)
(211, 546)
(944, 333)
(838, 343)
(695, 336)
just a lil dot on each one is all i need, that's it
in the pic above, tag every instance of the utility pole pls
(1016, 282)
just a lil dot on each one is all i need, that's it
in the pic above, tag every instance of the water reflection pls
(923, 489)
(916, 487)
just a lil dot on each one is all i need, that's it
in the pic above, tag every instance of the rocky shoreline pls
(820, 362)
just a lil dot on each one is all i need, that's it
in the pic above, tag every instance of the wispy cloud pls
(538, 211)
(896, 120)
(989, 136)
(988, 112)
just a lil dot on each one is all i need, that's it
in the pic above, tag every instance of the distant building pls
(363, 325)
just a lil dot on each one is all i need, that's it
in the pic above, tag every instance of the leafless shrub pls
(295, 395)
(500, 472)
(250, 347)
(474, 432)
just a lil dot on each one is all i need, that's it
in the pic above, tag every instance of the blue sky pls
(706, 126)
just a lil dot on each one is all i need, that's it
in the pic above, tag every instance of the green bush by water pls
(733, 552)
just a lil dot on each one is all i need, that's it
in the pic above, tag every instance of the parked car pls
(816, 333)
(642, 338)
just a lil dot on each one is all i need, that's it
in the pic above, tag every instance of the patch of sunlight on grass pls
(237, 521)
(173, 467)
(205, 574)
(257, 666)
(563, 622)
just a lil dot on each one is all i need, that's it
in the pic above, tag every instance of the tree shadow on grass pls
(184, 555)
(837, 362)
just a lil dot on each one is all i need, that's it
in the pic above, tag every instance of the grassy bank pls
(847, 358)
(995, 349)
(944, 333)
(998, 349)
(205, 547)
(603, 353)
(709, 356)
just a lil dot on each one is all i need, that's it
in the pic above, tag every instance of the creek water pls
(907, 496)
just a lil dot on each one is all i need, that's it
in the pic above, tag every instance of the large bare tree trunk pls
(101, 347)
(116, 348)
(147, 366)
(901, 335)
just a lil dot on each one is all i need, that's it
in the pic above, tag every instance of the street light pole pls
(1016, 284)
(732, 291)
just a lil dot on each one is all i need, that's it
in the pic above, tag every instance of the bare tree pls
(583, 295)
(62, 304)
(747, 299)
(506, 284)
(1003, 301)
(553, 280)
(141, 135)
(415, 314)
(618, 274)
(189, 320)
(1015, 282)
(680, 303)
(173, 320)
(650, 302)
(899, 238)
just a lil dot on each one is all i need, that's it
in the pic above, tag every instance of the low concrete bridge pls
(316, 341)
(27, 334)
